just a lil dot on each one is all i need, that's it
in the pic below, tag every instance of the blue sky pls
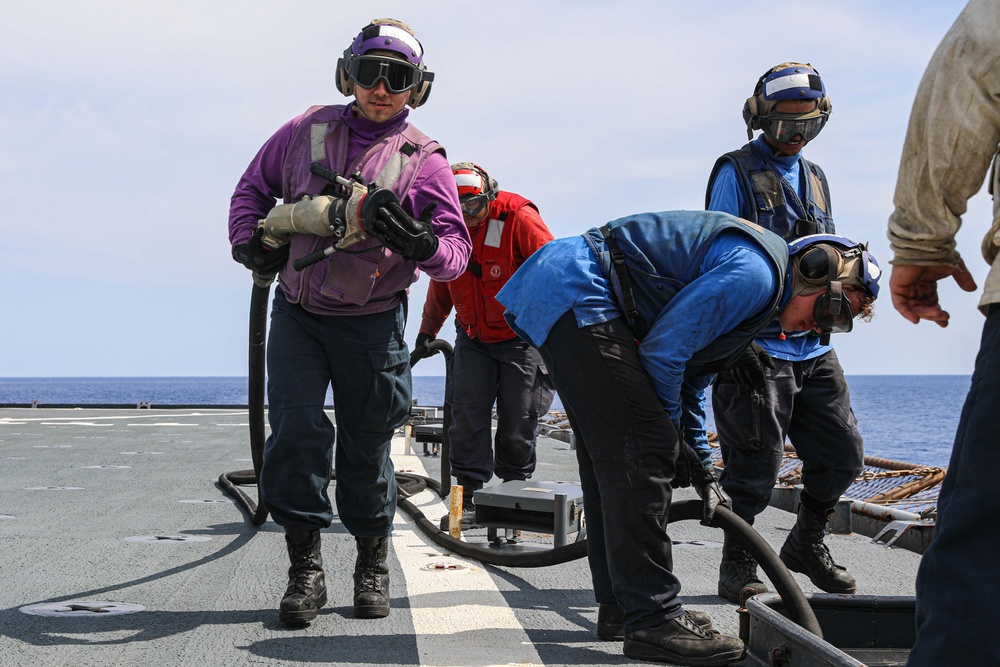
(124, 127)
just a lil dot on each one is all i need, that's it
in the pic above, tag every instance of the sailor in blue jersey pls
(649, 307)
(806, 398)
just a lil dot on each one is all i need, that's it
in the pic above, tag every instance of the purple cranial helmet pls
(388, 35)
(386, 50)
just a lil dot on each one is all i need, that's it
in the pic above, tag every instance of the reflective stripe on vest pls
(386, 177)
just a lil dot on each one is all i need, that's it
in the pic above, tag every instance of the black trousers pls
(807, 402)
(958, 576)
(626, 446)
(509, 374)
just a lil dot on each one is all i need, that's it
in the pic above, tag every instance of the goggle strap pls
(836, 292)
(835, 287)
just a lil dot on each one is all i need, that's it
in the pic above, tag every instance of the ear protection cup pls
(419, 94)
(750, 113)
(344, 83)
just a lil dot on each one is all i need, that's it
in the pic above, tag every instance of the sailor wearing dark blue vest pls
(647, 309)
(806, 399)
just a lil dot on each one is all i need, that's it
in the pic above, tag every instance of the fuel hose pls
(409, 484)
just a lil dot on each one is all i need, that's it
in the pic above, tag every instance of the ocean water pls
(903, 417)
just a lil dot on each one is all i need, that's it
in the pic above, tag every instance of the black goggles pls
(399, 76)
(785, 129)
(832, 311)
(473, 205)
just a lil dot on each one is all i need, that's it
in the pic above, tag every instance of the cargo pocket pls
(543, 392)
(738, 416)
(651, 476)
(388, 404)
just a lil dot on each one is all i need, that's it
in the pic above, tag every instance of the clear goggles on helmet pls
(832, 311)
(784, 128)
(473, 205)
(399, 75)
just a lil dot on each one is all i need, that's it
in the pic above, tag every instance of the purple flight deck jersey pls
(368, 278)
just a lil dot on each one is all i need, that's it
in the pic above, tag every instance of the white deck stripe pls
(478, 609)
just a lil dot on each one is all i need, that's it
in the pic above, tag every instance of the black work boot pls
(306, 591)
(371, 578)
(469, 487)
(737, 572)
(804, 551)
(610, 616)
(680, 641)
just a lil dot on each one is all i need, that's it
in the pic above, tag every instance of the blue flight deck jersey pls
(728, 196)
(736, 280)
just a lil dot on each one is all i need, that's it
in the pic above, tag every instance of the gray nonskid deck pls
(213, 602)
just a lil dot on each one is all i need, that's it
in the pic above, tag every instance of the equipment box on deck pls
(544, 507)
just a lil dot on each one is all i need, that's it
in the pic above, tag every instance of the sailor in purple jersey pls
(339, 322)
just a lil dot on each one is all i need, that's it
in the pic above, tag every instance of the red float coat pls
(511, 232)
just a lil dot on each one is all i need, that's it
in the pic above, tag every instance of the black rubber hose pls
(255, 406)
(432, 348)
(409, 484)
(257, 365)
(798, 607)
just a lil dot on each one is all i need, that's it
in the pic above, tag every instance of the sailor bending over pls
(633, 319)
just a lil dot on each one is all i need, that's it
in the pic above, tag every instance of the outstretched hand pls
(914, 290)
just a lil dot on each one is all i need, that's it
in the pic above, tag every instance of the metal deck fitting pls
(858, 631)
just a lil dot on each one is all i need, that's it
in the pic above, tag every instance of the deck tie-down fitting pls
(895, 530)
(97, 609)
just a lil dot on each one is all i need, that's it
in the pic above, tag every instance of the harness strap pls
(618, 259)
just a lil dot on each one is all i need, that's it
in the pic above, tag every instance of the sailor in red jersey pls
(490, 363)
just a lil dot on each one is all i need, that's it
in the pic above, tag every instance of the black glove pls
(704, 483)
(413, 239)
(690, 471)
(713, 496)
(750, 368)
(421, 344)
(259, 258)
